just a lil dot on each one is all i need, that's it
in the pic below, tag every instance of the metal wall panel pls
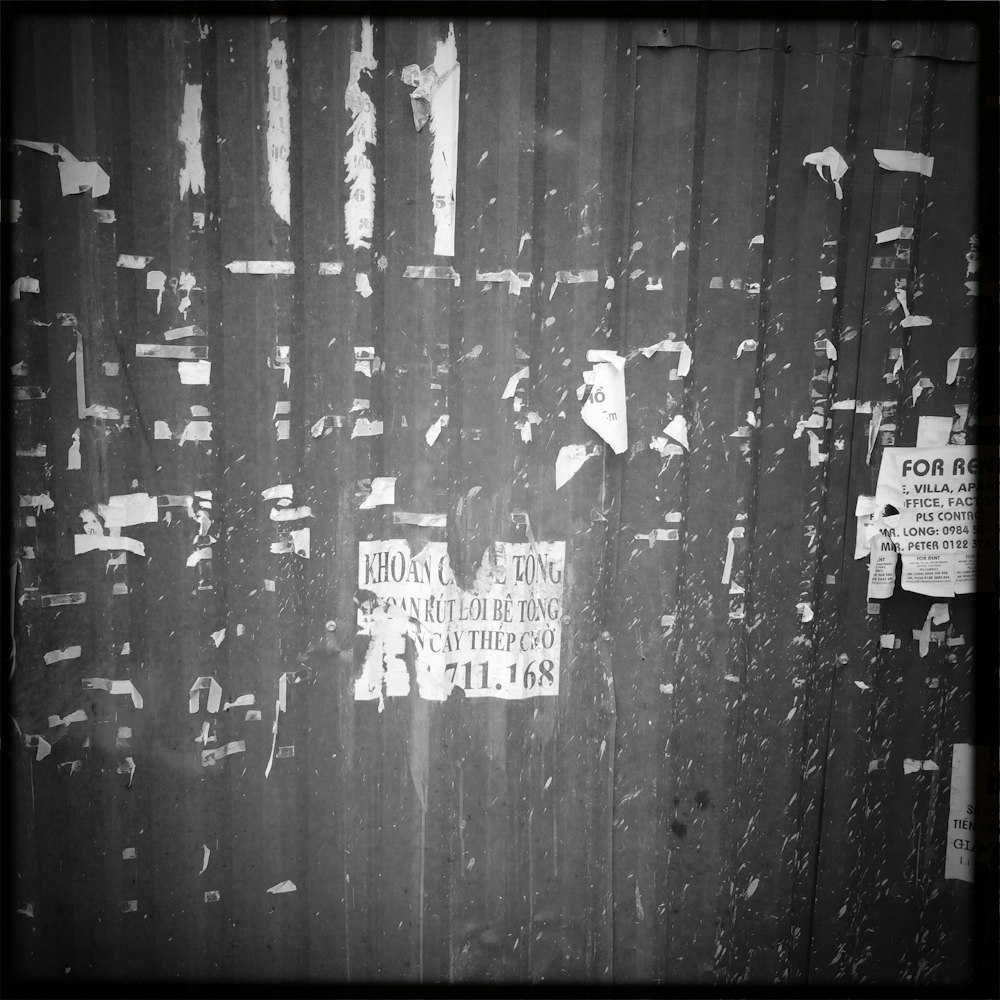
(716, 794)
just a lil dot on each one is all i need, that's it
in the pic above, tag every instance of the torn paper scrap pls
(261, 267)
(569, 460)
(911, 766)
(420, 520)
(243, 701)
(920, 387)
(896, 233)
(180, 332)
(76, 177)
(826, 346)
(330, 267)
(683, 362)
(195, 372)
(383, 493)
(436, 97)
(434, 431)
(172, 352)
(583, 277)
(515, 280)
(290, 513)
(279, 135)
(192, 174)
(41, 746)
(113, 687)
(287, 886)
(359, 208)
(40, 502)
(805, 611)
(837, 165)
(962, 354)
(22, 286)
(604, 409)
(78, 716)
(746, 345)
(362, 285)
(678, 430)
(364, 427)
(107, 543)
(422, 271)
(280, 492)
(156, 281)
(58, 655)
(218, 637)
(210, 757)
(933, 432)
(727, 570)
(132, 261)
(214, 699)
(827, 282)
(512, 382)
(300, 541)
(903, 159)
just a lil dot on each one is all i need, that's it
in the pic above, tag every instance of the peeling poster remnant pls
(359, 211)
(972, 810)
(279, 134)
(500, 639)
(604, 409)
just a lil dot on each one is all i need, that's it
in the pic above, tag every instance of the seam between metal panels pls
(815, 52)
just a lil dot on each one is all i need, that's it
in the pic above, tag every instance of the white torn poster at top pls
(905, 160)
(972, 811)
(279, 135)
(359, 211)
(436, 98)
(604, 408)
(930, 505)
(500, 638)
(831, 159)
(192, 173)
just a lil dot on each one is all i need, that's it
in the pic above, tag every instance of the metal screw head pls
(331, 626)
(606, 635)
(843, 659)
(896, 45)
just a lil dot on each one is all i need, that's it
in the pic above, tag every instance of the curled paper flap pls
(214, 699)
(962, 354)
(512, 382)
(287, 886)
(911, 766)
(113, 687)
(210, 757)
(604, 408)
(434, 431)
(837, 165)
(678, 430)
(683, 362)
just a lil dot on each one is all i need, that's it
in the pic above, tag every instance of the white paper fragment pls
(214, 699)
(430, 271)
(962, 354)
(192, 173)
(172, 352)
(436, 98)
(434, 431)
(241, 702)
(727, 570)
(218, 637)
(279, 136)
(73, 455)
(896, 233)
(132, 261)
(58, 655)
(827, 282)
(301, 541)
(362, 285)
(196, 430)
(604, 409)
(826, 346)
(683, 362)
(805, 611)
(569, 460)
(210, 757)
(107, 543)
(290, 513)
(331, 267)
(113, 687)
(911, 766)
(933, 432)
(156, 281)
(195, 372)
(383, 493)
(828, 157)
(359, 209)
(364, 427)
(918, 389)
(180, 332)
(678, 430)
(746, 345)
(78, 177)
(261, 267)
(903, 159)
(281, 492)
(515, 280)
(287, 886)
(24, 285)
(125, 510)
(512, 382)
(78, 716)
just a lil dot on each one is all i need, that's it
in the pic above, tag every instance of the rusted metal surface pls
(716, 794)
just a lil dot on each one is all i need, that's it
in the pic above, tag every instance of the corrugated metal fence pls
(717, 792)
